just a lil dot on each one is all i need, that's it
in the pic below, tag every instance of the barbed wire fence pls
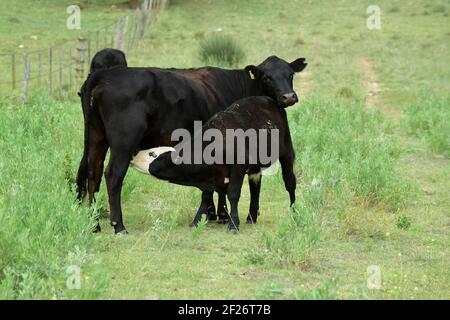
(61, 68)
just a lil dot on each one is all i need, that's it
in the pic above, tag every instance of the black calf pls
(262, 114)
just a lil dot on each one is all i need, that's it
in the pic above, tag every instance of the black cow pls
(103, 59)
(107, 58)
(132, 109)
(226, 174)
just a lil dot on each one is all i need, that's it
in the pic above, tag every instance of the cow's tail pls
(83, 170)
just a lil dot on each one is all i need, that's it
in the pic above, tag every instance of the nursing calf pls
(221, 165)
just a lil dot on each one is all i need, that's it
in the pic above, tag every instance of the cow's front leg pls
(205, 207)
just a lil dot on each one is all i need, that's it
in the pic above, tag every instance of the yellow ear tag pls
(252, 76)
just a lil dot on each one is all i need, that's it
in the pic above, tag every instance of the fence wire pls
(64, 66)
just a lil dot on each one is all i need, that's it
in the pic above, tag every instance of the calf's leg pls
(222, 209)
(254, 181)
(234, 193)
(287, 168)
(205, 207)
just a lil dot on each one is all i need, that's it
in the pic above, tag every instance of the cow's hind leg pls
(254, 181)
(96, 156)
(123, 144)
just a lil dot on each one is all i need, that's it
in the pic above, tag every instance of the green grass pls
(369, 190)
(42, 230)
(46, 19)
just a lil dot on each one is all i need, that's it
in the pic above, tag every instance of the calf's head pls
(142, 160)
(275, 77)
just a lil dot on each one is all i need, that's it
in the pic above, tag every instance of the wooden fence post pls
(135, 28)
(88, 48)
(69, 50)
(26, 77)
(106, 38)
(50, 72)
(118, 35)
(13, 71)
(39, 68)
(142, 24)
(81, 48)
(97, 35)
(60, 71)
(125, 31)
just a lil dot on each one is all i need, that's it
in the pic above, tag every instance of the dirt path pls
(371, 83)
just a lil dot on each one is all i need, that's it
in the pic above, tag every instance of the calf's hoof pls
(122, 232)
(251, 220)
(211, 213)
(211, 217)
(222, 220)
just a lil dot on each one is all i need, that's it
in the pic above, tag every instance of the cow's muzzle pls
(289, 99)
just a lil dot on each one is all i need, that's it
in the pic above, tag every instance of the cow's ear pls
(79, 94)
(298, 65)
(252, 72)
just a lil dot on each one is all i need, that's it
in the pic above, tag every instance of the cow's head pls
(275, 77)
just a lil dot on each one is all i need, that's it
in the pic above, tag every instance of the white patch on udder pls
(142, 160)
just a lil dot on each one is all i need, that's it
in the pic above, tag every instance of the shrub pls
(222, 50)
(345, 92)
(403, 222)
(429, 119)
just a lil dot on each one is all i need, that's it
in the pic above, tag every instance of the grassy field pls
(372, 138)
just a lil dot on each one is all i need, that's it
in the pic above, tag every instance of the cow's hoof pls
(233, 231)
(122, 232)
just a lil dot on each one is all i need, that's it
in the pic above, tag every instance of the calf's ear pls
(252, 72)
(298, 65)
